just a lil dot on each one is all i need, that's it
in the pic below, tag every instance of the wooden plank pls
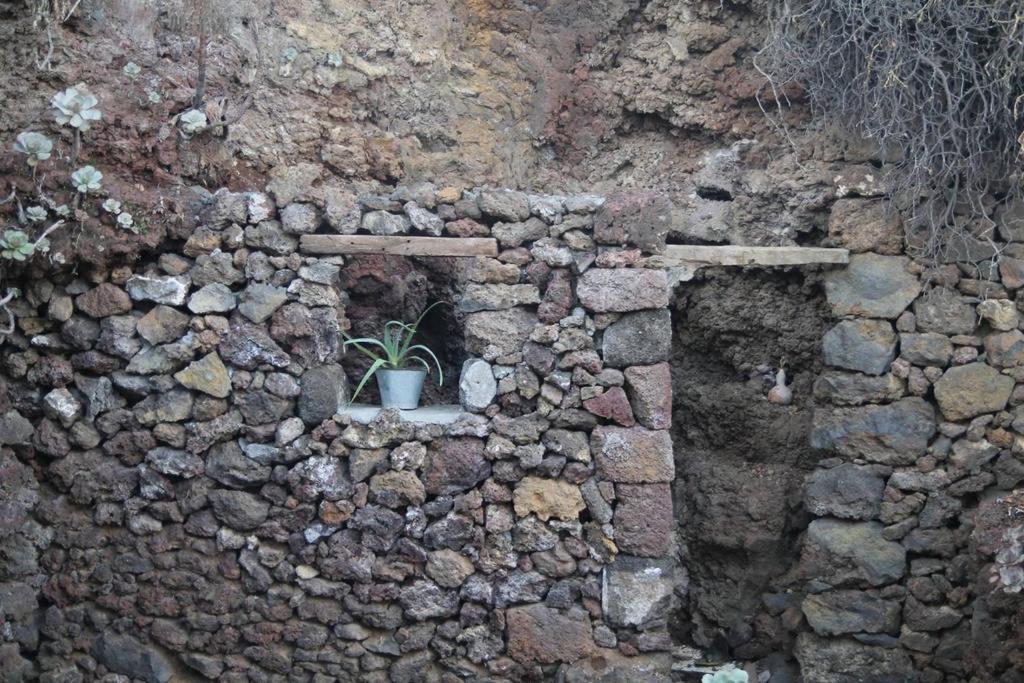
(399, 245)
(752, 256)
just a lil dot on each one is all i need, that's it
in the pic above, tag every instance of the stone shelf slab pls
(364, 413)
(400, 245)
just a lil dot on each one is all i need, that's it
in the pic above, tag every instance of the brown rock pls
(104, 300)
(466, 227)
(455, 465)
(649, 388)
(548, 498)
(640, 219)
(968, 390)
(643, 519)
(207, 375)
(865, 225)
(396, 489)
(633, 455)
(539, 634)
(163, 324)
(612, 405)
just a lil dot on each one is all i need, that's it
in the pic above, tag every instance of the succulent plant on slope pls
(15, 245)
(35, 214)
(193, 121)
(36, 146)
(111, 205)
(731, 675)
(76, 107)
(87, 179)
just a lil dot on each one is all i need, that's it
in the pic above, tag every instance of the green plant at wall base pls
(397, 351)
(16, 245)
(726, 676)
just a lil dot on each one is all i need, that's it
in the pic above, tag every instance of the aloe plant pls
(397, 351)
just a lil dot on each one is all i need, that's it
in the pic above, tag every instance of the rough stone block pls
(928, 349)
(323, 391)
(867, 346)
(643, 519)
(640, 338)
(893, 434)
(944, 311)
(538, 634)
(845, 660)
(848, 491)
(504, 331)
(636, 591)
(633, 455)
(494, 297)
(834, 613)
(548, 498)
(854, 389)
(872, 286)
(455, 465)
(477, 386)
(640, 219)
(842, 553)
(649, 388)
(966, 391)
(621, 290)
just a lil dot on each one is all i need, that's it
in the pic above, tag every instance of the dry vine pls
(936, 81)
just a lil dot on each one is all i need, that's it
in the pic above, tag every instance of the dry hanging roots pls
(938, 82)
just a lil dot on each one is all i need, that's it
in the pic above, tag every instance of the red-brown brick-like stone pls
(633, 455)
(650, 393)
(466, 227)
(643, 519)
(612, 405)
(455, 465)
(557, 301)
(104, 300)
(620, 290)
(538, 634)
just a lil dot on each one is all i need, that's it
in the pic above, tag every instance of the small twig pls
(71, 11)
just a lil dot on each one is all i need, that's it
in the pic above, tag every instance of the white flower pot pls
(400, 388)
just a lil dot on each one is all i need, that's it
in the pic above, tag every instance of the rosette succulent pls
(132, 69)
(76, 107)
(111, 205)
(726, 676)
(193, 121)
(87, 179)
(153, 96)
(16, 245)
(36, 214)
(35, 146)
(125, 220)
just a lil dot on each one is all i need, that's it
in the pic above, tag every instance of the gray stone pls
(15, 429)
(299, 219)
(852, 553)
(640, 338)
(638, 218)
(621, 290)
(175, 463)
(320, 476)
(854, 389)
(125, 655)
(848, 611)
(60, 404)
(504, 332)
(259, 301)
(227, 464)
(324, 390)
(268, 236)
(844, 660)
(893, 434)
(867, 346)
(922, 617)
(163, 324)
(424, 599)
(1010, 220)
(477, 386)
(636, 591)
(424, 220)
(207, 375)
(385, 223)
(968, 390)
(505, 205)
(213, 298)
(99, 395)
(929, 349)
(477, 297)
(248, 346)
(166, 289)
(238, 509)
(847, 491)
(1005, 349)
(872, 286)
(944, 311)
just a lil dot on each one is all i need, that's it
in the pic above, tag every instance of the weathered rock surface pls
(973, 389)
(867, 346)
(893, 434)
(872, 286)
(547, 498)
(622, 290)
(530, 630)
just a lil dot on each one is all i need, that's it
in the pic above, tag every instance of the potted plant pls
(399, 381)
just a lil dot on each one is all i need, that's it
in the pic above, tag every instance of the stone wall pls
(919, 421)
(186, 495)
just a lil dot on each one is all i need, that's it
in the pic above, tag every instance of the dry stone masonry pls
(186, 495)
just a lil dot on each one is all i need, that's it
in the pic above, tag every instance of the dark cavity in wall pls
(740, 459)
(383, 288)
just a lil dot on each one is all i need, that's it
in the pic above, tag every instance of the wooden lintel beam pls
(399, 245)
(687, 254)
